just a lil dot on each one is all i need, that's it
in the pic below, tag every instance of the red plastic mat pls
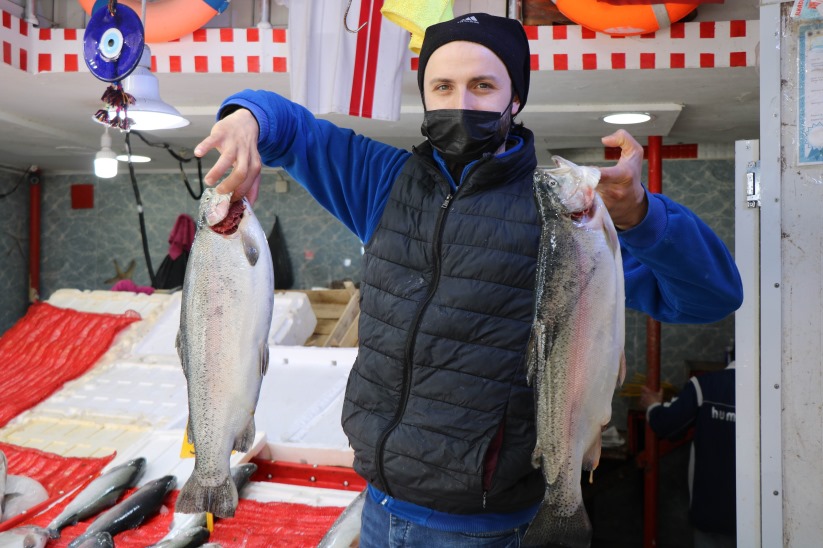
(254, 524)
(48, 347)
(58, 475)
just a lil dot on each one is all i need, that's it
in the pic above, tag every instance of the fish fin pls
(621, 376)
(220, 500)
(548, 528)
(10, 496)
(264, 358)
(250, 247)
(244, 441)
(592, 457)
(180, 345)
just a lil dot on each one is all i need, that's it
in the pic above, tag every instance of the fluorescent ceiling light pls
(135, 158)
(626, 118)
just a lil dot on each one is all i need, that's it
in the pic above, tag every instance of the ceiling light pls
(626, 118)
(105, 161)
(135, 158)
(149, 112)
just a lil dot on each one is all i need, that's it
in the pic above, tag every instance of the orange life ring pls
(168, 20)
(626, 20)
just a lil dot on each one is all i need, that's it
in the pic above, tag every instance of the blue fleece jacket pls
(676, 268)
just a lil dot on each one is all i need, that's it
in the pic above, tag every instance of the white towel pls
(333, 70)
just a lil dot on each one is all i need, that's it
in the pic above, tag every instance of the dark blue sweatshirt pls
(676, 268)
(707, 404)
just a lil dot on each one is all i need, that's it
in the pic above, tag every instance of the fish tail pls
(78, 541)
(550, 529)
(220, 500)
(244, 441)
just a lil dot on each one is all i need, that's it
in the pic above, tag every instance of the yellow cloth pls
(416, 15)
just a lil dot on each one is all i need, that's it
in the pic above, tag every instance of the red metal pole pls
(651, 473)
(34, 234)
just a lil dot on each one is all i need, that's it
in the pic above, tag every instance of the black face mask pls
(464, 135)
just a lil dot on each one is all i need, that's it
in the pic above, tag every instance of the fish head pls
(220, 215)
(213, 207)
(573, 185)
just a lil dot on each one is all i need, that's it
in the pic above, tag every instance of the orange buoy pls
(623, 20)
(168, 20)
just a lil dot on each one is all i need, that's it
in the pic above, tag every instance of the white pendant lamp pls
(149, 112)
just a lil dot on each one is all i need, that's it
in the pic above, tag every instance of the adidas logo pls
(469, 19)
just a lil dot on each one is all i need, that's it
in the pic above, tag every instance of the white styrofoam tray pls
(153, 395)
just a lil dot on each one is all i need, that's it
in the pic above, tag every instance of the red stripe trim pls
(371, 66)
(360, 60)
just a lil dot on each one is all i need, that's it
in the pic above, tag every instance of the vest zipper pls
(407, 365)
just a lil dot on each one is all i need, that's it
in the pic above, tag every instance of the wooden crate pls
(337, 312)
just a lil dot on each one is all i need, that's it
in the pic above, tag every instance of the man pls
(437, 407)
(707, 404)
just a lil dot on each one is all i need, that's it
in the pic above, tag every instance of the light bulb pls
(105, 161)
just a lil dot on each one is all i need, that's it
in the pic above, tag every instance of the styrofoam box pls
(161, 449)
(301, 402)
(109, 302)
(293, 321)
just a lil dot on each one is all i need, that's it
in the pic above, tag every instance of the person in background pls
(437, 407)
(707, 404)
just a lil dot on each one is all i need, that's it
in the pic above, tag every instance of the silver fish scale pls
(228, 298)
(575, 352)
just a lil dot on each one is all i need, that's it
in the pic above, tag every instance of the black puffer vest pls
(437, 407)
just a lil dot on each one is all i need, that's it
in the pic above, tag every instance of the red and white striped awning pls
(560, 47)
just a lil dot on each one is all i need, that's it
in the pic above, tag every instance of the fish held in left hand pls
(228, 299)
(575, 354)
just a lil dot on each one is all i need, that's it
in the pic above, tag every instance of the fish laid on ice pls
(103, 492)
(345, 531)
(21, 494)
(575, 354)
(131, 511)
(183, 523)
(26, 536)
(228, 298)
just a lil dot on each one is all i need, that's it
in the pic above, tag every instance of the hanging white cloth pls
(334, 70)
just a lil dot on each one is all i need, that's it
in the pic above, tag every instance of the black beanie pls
(504, 36)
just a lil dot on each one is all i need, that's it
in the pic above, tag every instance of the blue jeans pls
(380, 529)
